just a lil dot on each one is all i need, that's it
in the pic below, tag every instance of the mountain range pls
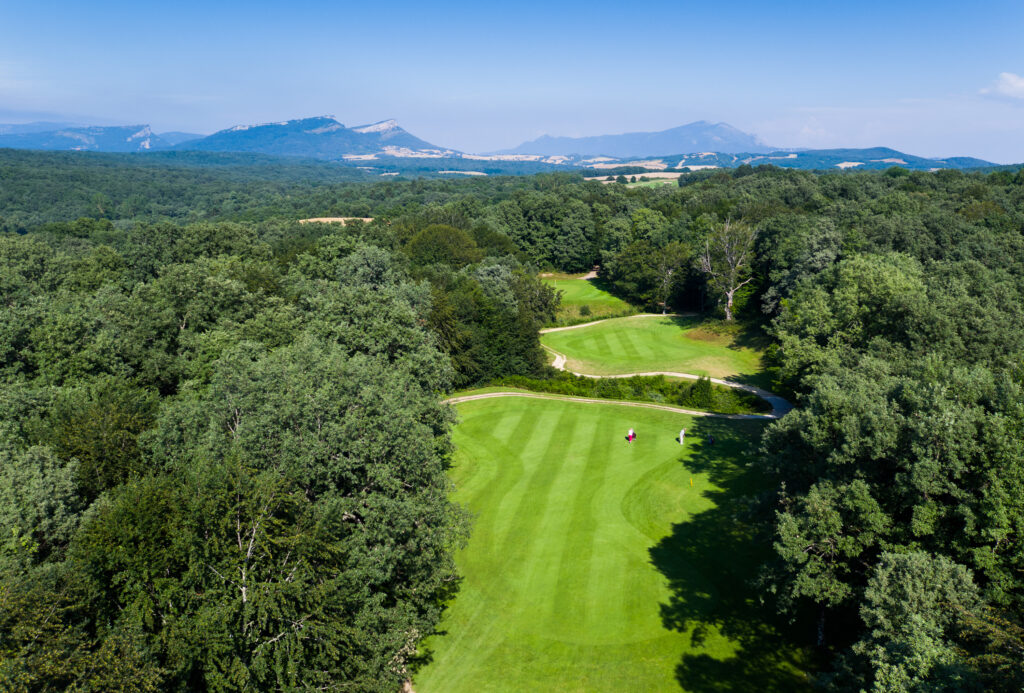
(700, 136)
(386, 147)
(97, 138)
(318, 138)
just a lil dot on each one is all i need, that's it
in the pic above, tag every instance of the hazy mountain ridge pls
(174, 137)
(320, 137)
(871, 158)
(96, 138)
(699, 136)
(30, 128)
(387, 148)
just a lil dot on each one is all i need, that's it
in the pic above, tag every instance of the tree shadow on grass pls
(607, 287)
(686, 322)
(744, 336)
(711, 560)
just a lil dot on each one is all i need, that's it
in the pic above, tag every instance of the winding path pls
(547, 330)
(619, 402)
(780, 406)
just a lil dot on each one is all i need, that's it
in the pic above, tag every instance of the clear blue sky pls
(933, 78)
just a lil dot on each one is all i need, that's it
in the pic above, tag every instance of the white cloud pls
(1008, 85)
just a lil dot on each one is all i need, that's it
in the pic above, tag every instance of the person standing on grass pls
(682, 435)
(630, 436)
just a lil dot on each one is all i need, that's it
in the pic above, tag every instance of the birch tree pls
(728, 252)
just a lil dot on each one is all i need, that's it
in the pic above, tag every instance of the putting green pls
(577, 293)
(654, 343)
(593, 564)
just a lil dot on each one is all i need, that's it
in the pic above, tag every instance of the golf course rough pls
(579, 575)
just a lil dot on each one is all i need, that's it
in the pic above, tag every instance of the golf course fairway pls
(577, 293)
(653, 343)
(600, 565)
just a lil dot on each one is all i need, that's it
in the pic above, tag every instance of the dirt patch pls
(652, 164)
(335, 220)
(651, 174)
(703, 334)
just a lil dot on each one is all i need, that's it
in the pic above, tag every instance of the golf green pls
(577, 293)
(654, 343)
(600, 565)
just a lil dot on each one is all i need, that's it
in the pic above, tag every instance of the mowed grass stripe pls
(601, 345)
(512, 533)
(501, 432)
(503, 429)
(516, 538)
(553, 540)
(625, 340)
(506, 544)
(573, 583)
(500, 436)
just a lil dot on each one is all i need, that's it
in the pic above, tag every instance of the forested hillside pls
(223, 451)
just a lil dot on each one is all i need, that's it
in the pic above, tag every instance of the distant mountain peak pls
(320, 137)
(143, 132)
(382, 126)
(697, 136)
(318, 121)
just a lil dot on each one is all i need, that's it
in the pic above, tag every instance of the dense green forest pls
(223, 449)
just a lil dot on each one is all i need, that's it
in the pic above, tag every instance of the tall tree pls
(728, 254)
(672, 260)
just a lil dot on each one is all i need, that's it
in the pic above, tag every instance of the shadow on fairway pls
(607, 287)
(719, 548)
(685, 322)
(754, 338)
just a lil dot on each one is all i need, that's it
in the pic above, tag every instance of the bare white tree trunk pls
(728, 251)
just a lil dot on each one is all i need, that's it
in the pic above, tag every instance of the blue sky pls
(931, 78)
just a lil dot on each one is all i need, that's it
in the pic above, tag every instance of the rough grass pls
(577, 293)
(658, 343)
(595, 565)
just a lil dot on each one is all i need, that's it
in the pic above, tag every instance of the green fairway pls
(594, 564)
(655, 343)
(577, 293)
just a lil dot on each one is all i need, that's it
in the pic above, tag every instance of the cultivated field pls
(601, 565)
(655, 343)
